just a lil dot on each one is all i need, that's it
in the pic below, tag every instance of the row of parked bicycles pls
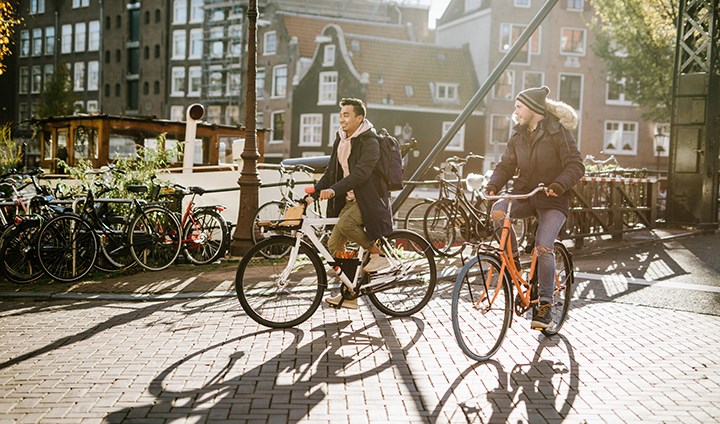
(47, 232)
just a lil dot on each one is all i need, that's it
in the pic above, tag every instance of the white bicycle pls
(280, 282)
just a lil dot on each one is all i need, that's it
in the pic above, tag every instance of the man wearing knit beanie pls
(541, 150)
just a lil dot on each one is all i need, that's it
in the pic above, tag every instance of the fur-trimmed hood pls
(565, 113)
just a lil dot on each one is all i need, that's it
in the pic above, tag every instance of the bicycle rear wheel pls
(562, 295)
(67, 248)
(480, 317)
(280, 291)
(415, 217)
(410, 286)
(442, 227)
(155, 238)
(18, 251)
(204, 237)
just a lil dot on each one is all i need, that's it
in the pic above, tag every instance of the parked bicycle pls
(280, 282)
(482, 299)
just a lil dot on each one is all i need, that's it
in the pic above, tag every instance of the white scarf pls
(345, 147)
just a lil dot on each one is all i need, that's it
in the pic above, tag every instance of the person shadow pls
(283, 388)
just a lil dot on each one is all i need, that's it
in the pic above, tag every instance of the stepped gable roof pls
(391, 65)
(307, 27)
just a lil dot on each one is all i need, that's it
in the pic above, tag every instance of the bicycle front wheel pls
(443, 227)
(280, 291)
(204, 237)
(407, 288)
(67, 248)
(481, 307)
(562, 294)
(155, 238)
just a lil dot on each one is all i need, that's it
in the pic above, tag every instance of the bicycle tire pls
(20, 263)
(415, 217)
(270, 211)
(412, 284)
(67, 248)
(267, 299)
(480, 331)
(114, 246)
(562, 295)
(205, 237)
(443, 221)
(155, 236)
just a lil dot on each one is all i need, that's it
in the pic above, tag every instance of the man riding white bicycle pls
(355, 190)
(541, 150)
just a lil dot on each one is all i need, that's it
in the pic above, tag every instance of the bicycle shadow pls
(285, 387)
(547, 387)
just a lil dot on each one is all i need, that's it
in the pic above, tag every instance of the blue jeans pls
(550, 221)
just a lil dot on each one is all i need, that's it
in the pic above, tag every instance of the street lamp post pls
(249, 180)
(659, 148)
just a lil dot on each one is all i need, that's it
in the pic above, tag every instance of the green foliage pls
(10, 152)
(636, 41)
(58, 99)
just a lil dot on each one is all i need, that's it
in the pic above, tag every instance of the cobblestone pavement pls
(203, 360)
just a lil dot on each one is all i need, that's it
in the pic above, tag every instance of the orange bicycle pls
(483, 301)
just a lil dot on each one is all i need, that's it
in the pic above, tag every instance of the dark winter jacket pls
(552, 159)
(365, 180)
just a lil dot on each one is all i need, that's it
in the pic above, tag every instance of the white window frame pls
(197, 13)
(457, 144)
(179, 12)
(568, 5)
(49, 41)
(234, 35)
(563, 41)
(260, 77)
(510, 73)
(37, 42)
(525, 4)
(621, 100)
(233, 81)
(93, 75)
(215, 81)
(274, 140)
(48, 72)
(507, 38)
(196, 43)
(615, 140)
(36, 79)
(310, 129)
(217, 43)
(80, 36)
(279, 90)
(178, 81)
(24, 43)
(79, 76)
(177, 113)
(93, 36)
(582, 89)
(179, 44)
(37, 7)
(525, 86)
(329, 55)
(66, 37)
(327, 87)
(92, 106)
(446, 91)
(334, 127)
(194, 81)
(269, 43)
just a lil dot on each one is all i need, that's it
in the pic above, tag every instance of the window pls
(277, 126)
(48, 72)
(49, 41)
(327, 88)
(457, 144)
(260, 83)
(446, 92)
(196, 43)
(37, 7)
(409, 90)
(571, 90)
(522, 3)
(214, 113)
(217, 44)
(509, 33)
(196, 11)
(92, 107)
(177, 83)
(279, 81)
(194, 80)
(234, 79)
(235, 40)
(575, 5)
(311, 129)
(572, 42)
(93, 77)
(93, 36)
(179, 11)
(504, 88)
(36, 81)
(232, 115)
(80, 3)
(215, 81)
(329, 55)
(615, 94)
(334, 127)
(24, 43)
(177, 113)
(620, 138)
(79, 76)
(533, 79)
(37, 40)
(500, 129)
(66, 39)
(270, 43)
(179, 44)
(80, 29)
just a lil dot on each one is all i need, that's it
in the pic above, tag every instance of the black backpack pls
(391, 165)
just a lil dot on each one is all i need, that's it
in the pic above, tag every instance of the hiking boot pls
(346, 303)
(376, 263)
(542, 318)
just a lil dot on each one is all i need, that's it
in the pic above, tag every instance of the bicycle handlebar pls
(510, 196)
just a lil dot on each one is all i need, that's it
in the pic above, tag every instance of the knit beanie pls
(534, 98)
